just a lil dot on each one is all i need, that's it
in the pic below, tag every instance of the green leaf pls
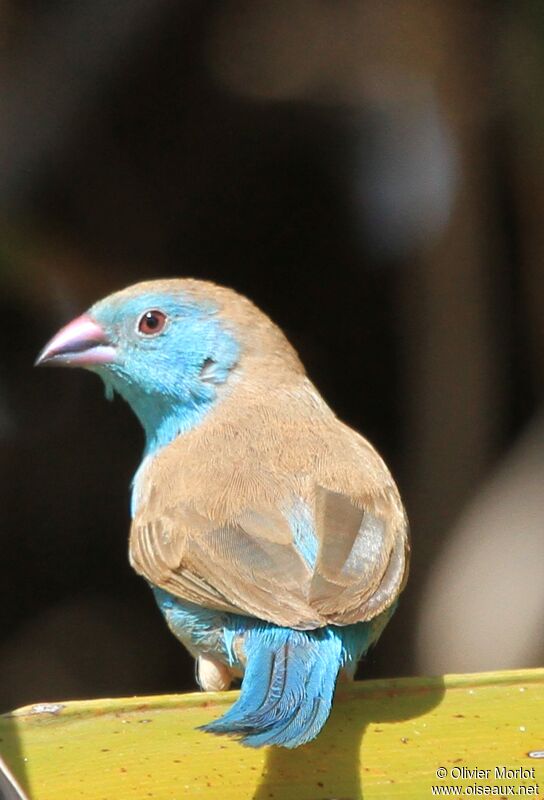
(385, 739)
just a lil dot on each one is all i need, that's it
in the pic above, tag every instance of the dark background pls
(371, 174)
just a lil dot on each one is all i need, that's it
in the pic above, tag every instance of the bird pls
(272, 534)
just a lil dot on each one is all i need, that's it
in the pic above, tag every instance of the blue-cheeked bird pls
(272, 534)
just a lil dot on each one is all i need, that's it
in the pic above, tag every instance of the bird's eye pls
(152, 322)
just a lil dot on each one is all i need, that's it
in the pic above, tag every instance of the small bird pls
(272, 534)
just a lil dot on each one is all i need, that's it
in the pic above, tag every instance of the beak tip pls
(41, 359)
(81, 343)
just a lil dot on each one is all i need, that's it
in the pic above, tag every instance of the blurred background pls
(370, 173)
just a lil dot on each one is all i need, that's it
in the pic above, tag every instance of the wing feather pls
(254, 567)
(224, 535)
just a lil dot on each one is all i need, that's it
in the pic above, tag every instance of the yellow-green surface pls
(385, 739)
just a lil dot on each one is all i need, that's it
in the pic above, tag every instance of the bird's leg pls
(212, 675)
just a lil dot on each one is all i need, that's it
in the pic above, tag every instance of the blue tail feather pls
(290, 675)
(289, 682)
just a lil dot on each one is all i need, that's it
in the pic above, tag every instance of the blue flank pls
(290, 675)
(199, 629)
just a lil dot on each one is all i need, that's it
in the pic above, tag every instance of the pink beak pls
(81, 343)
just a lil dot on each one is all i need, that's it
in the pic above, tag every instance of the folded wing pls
(254, 564)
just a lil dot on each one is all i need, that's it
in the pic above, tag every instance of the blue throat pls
(164, 420)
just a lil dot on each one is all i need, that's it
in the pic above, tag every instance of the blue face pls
(172, 354)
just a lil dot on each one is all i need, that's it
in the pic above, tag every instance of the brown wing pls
(273, 509)
(253, 565)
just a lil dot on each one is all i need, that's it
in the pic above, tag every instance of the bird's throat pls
(164, 424)
(163, 418)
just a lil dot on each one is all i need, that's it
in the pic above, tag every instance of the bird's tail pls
(289, 683)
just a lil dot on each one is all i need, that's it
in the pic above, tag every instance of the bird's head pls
(171, 348)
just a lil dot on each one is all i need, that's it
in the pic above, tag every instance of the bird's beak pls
(81, 343)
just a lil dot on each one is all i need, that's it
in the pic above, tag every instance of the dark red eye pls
(152, 322)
